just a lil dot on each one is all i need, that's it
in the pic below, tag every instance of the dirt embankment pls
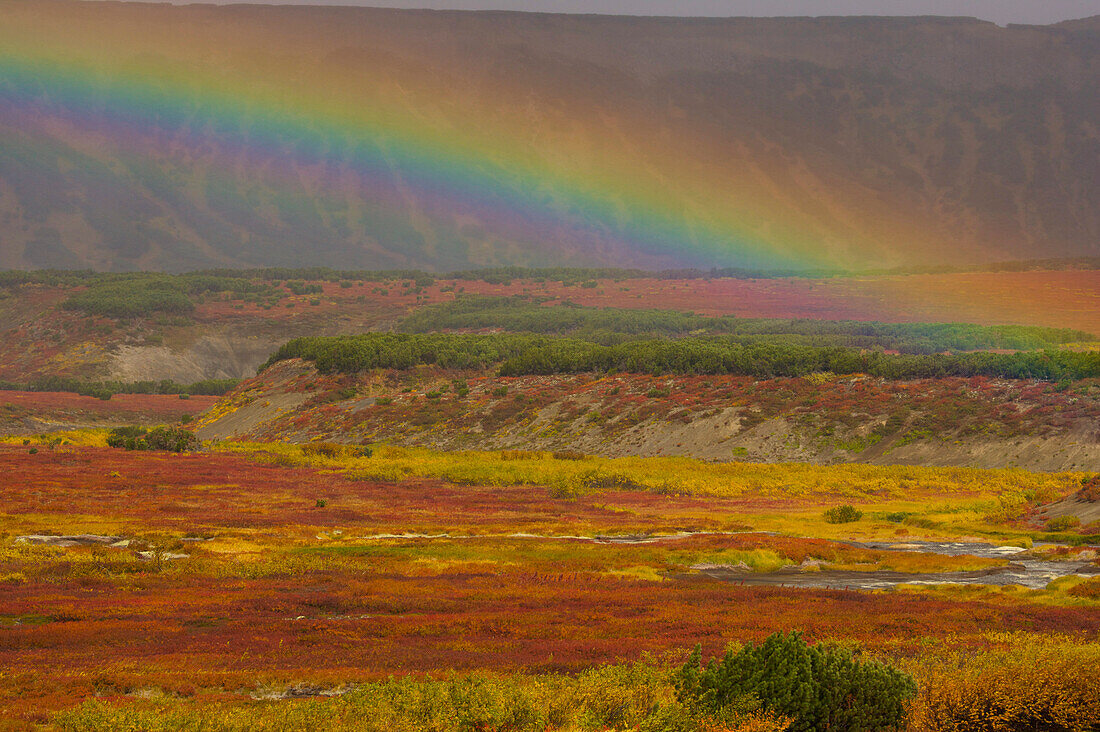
(952, 422)
(216, 356)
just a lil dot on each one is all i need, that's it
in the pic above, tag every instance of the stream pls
(1027, 572)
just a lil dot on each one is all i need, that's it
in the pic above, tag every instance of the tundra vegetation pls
(320, 576)
(523, 354)
(107, 389)
(66, 324)
(255, 572)
(171, 439)
(607, 326)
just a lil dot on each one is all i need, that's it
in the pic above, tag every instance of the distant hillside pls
(189, 328)
(822, 418)
(177, 137)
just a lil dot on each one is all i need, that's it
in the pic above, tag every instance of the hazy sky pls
(999, 11)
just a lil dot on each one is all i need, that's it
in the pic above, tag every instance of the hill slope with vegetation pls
(818, 417)
(650, 382)
(141, 327)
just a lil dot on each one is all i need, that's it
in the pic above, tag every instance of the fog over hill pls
(178, 137)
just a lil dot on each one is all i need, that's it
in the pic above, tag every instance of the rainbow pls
(395, 177)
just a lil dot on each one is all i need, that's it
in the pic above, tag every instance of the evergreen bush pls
(842, 514)
(171, 439)
(820, 687)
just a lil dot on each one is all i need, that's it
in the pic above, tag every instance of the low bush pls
(516, 354)
(334, 450)
(106, 389)
(171, 439)
(1090, 489)
(133, 298)
(126, 437)
(820, 687)
(1032, 684)
(1089, 589)
(1063, 523)
(845, 514)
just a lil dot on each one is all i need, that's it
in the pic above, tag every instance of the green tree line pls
(107, 389)
(269, 275)
(615, 325)
(525, 354)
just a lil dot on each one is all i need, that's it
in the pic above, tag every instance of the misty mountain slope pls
(161, 137)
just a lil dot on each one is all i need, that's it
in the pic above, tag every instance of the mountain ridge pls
(144, 136)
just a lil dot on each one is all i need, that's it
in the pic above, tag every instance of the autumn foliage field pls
(254, 570)
(26, 411)
(446, 549)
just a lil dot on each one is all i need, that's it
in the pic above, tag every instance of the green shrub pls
(171, 439)
(520, 314)
(100, 392)
(106, 389)
(301, 288)
(134, 297)
(518, 354)
(1063, 523)
(821, 687)
(126, 437)
(211, 387)
(842, 515)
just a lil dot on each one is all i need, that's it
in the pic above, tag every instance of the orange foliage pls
(281, 606)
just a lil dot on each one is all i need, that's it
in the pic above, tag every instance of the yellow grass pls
(683, 476)
(789, 497)
(67, 438)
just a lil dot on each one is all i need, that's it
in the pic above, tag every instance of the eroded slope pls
(975, 422)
